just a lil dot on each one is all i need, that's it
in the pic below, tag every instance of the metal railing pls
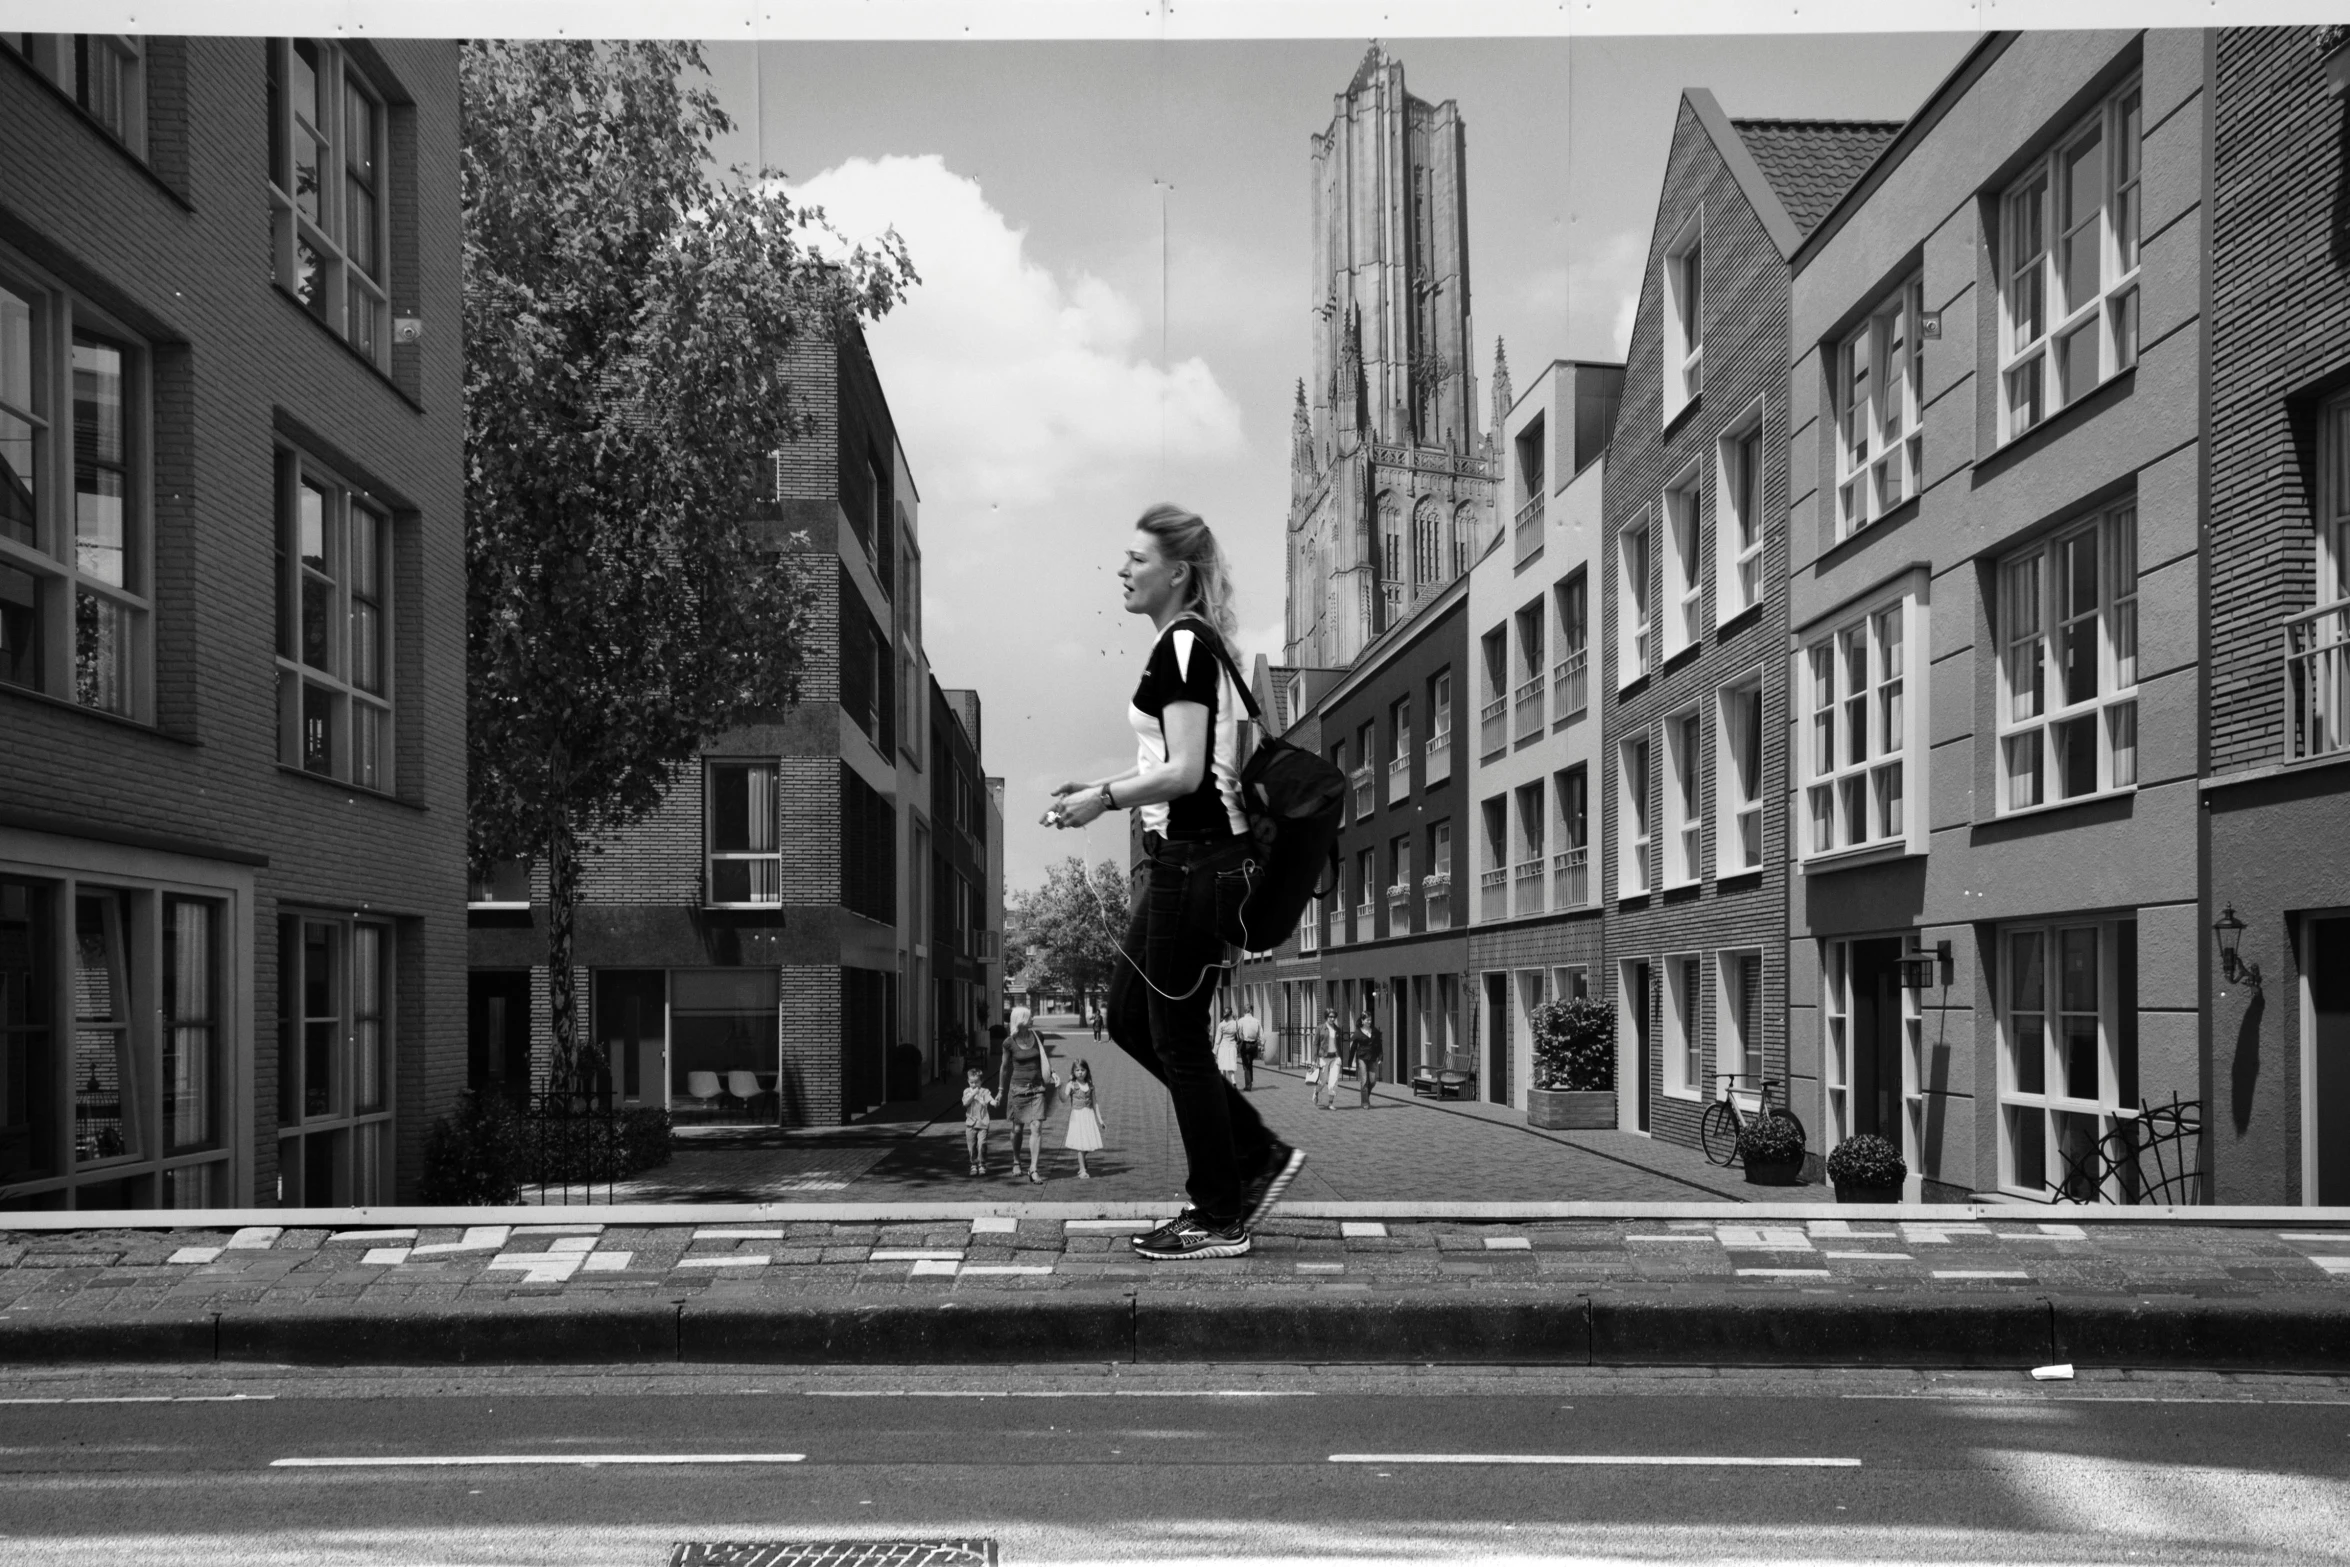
(1493, 894)
(576, 1147)
(1436, 902)
(1572, 677)
(1439, 763)
(1571, 869)
(1529, 703)
(2153, 1158)
(1399, 777)
(1493, 727)
(1529, 896)
(1528, 531)
(1366, 800)
(2317, 680)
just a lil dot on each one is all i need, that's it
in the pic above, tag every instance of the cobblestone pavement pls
(105, 1275)
(1399, 1147)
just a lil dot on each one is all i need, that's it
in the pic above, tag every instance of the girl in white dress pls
(1228, 1051)
(1084, 1133)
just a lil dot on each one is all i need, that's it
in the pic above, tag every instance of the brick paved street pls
(1400, 1148)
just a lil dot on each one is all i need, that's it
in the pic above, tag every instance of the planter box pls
(1571, 1109)
(1847, 1193)
(1778, 1172)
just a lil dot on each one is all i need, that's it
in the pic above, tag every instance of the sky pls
(1113, 245)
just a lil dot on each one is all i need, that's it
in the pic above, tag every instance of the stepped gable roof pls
(1810, 164)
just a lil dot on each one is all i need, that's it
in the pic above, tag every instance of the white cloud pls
(1011, 382)
(1602, 293)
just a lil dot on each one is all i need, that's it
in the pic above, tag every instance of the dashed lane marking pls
(575, 1460)
(1639, 1460)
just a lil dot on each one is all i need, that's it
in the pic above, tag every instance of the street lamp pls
(2230, 931)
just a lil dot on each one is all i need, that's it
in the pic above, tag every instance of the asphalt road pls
(1174, 1464)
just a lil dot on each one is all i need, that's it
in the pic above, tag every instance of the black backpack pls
(1295, 800)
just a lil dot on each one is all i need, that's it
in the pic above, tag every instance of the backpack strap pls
(1215, 642)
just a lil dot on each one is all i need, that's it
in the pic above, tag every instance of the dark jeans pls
(1163, 1023)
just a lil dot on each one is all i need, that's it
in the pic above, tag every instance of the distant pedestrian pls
(1097, 1025)
(978, 1105)
(1368, 1051)
(1327, 1063)
(1228, 1051)
(1027, 1082)
(1251, 1044)
(1084, 1133)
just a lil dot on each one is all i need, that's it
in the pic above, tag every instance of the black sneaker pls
(1281, 1169)
(1165, 1231)
(1188, 1236)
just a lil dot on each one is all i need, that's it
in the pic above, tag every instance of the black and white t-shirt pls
(1183, 667)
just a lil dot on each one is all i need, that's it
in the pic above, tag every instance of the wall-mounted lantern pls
(2230, 932)
(1918, 969)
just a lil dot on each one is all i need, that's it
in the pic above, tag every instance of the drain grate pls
(833, 1553)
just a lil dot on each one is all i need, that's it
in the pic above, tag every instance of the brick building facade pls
(1693, 625)
(232, 784)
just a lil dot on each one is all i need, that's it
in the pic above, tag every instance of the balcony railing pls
(1572, 677)
(1530, 708)
(1571, 870)
(1399, 909)
(2317, 680)
(1366, 921)
(1365, 802)
(1436, 901)
(1529, 530)
(1439, 764)
(1493, 727)
(1399, 776)
(1493, 894)
(1529, 896)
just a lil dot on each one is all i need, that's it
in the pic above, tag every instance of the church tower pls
(1391, 473)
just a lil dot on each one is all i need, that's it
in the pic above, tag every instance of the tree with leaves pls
(628, 320)
(1070, 927)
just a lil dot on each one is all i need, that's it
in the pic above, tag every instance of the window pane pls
(309, 286)
(1823, 818)
(2027, 1141)
(2122, 722)
(105, 1092)
(359, 153)
(2026, 397)
(2077, 195)
(322, 951)
(191, 1033)
(367, 743)
(1889, 817)
(2021, 611)
(2027, 997)
(100, 461)
(2077, 362)
(730, 809)
(20, 628)
(2076, 597)
(318, 729)
(2125, 179)
(2025, 305)
(367, 1009)
(2075, 742)
(308, 97)
(2078, 985)
(1853, 796)
(28, 1064)
(101, 653)
(2023, 770)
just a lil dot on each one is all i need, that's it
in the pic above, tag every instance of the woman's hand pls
(1074, 805)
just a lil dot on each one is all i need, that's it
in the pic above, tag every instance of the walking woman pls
(1186, 714)
(1025, 1084)
(1327, 1063)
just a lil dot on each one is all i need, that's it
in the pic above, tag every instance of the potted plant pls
(1867, 1168)
(1771, 1148)
(1574, 1087)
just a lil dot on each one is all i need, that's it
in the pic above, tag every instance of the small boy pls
(978, 1104)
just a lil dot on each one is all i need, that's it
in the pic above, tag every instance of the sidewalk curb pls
(2301, 1333)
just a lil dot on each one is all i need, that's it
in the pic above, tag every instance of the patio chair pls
(743, 1085)
(702, 1087)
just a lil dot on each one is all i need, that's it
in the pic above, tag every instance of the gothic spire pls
(1501, 386)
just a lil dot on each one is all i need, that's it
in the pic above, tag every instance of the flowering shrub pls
(1770, 1139)
(1574, 1046)
(1866, 1159)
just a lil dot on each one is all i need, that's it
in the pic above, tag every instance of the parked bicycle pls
(1724, 1119)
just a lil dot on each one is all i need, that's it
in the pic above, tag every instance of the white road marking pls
(1977, 1273)
(539, 1267)
(1637, 1460)
(180, 1398)
(739, 1235)
(913, 1255)
(385, 1255)
(1870, 1256)
(1829, 1227)
(2312, 1235)
(1508, 1243)
(1362, 1229)
(2333, 1264)
(584, 1460)
(1116, 1392)
(1005, 1269)
(995, 1224)
(125, 1398)
(746, 1259)
(196, 1254)
(1781, 1273)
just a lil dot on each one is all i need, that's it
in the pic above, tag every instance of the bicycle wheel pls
(1717, 1133)
(1782, 1113)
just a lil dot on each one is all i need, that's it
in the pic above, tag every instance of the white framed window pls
(1399, 886)
(2068, 1059)
(746, 866)
(1572, 677)
(1684, 316)
(1860, 753)
(2068, 664)
(334, 612)
(1636, 655)
(1879, 382)
(327, 191)
(1570, 982)
(1493, 875)
(2317, 640)
(335, 1060)
(1684, 1041)
(1633, 829)
(1533, 868)
(1738, 518)
(1738, 1035)
(1684, 819)
(1738, 743)
(1684, 589)
(76, 609)
(2068, 275)
(1572, 864)
(104, 73)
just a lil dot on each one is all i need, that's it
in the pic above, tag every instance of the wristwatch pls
(1108, 803)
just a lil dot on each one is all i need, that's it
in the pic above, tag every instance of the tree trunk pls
(563, 999)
